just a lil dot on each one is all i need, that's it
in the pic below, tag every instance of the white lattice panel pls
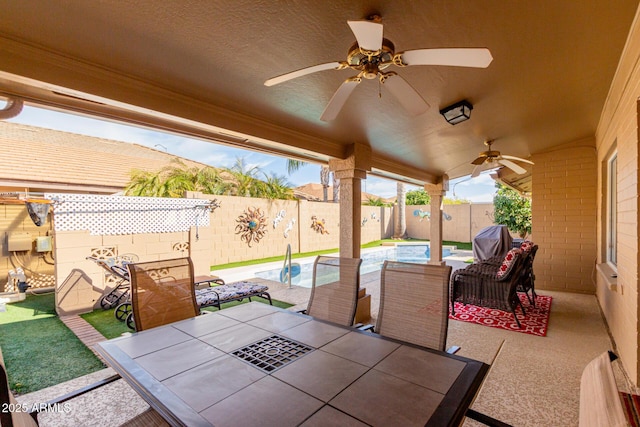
(112, 215)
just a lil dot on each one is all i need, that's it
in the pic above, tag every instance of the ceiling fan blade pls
(488, 164)
(480, 160)
(458, 57)
(303, 72)
(405, 94)
(476, 171)
(517, 158)
(508, 163)
(368, 34)
(338, 99)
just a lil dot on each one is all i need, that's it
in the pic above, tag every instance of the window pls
(612, 209)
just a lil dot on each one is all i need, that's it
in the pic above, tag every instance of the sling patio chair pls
(162, 292)
(334, 289)
(414, 303)
(414, 308)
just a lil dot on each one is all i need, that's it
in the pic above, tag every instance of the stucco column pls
(351, 171)
(437, 192)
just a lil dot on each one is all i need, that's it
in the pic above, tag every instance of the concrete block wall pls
(466, 221)
(376, 222)
(227, 246)
(81, 282)
(564, 217)
(39, 266)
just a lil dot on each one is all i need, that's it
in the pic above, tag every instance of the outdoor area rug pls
(534, 323)
(631, 405)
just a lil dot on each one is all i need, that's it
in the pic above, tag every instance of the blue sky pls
(480, 189)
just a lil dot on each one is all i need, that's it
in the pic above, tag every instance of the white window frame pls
(612, 210)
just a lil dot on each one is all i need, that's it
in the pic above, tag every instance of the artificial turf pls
(38, 349)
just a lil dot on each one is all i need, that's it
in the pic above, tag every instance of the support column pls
(437, 192)
(351, 171)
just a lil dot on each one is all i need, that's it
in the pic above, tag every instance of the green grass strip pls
(374, 244)
(39, 350)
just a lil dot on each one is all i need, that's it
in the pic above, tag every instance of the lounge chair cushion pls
(229, 292)
(507, 263)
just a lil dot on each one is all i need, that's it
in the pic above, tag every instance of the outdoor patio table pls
(256, 364)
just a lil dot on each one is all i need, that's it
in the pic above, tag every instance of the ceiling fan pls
(371, 53)
(493, 159)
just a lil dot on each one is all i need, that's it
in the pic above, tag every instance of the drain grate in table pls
(272, 353)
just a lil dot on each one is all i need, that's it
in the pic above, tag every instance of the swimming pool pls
(371, 261)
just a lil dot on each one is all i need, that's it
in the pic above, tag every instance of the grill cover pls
(491, 241)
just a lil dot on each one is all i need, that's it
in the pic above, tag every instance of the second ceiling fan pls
(371, 54)
(491, 159)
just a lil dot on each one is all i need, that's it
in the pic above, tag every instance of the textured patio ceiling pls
(205, 62)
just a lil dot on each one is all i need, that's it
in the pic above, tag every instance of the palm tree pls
(336, 188)
(400, 223)
(277, 187)
(325, 173)
(245, 178)
(174, 179)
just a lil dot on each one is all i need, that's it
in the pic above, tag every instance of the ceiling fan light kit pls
(458, 112)
(372, 53)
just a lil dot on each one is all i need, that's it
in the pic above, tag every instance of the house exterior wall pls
(15, 219)
(563, 211)
(618, 129)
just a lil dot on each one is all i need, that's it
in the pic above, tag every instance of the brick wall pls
(564, 217)
(618, 130)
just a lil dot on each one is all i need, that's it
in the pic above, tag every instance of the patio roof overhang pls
(198, 68)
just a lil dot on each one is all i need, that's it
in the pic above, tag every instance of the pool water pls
(371, 261)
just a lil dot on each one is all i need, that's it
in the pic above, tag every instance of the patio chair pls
(527, 277)
(488, 285)
(334, 289)
(162, 292)
(117, 269)
(414, 303)
(526, 282)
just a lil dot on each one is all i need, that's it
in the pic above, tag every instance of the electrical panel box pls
(19, 241)
(43, 244)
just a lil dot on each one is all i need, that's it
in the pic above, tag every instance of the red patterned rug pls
(534, 323)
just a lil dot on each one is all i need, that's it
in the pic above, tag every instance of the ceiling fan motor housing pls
(370, 63)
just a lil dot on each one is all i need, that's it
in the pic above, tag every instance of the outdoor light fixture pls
(458, 112)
